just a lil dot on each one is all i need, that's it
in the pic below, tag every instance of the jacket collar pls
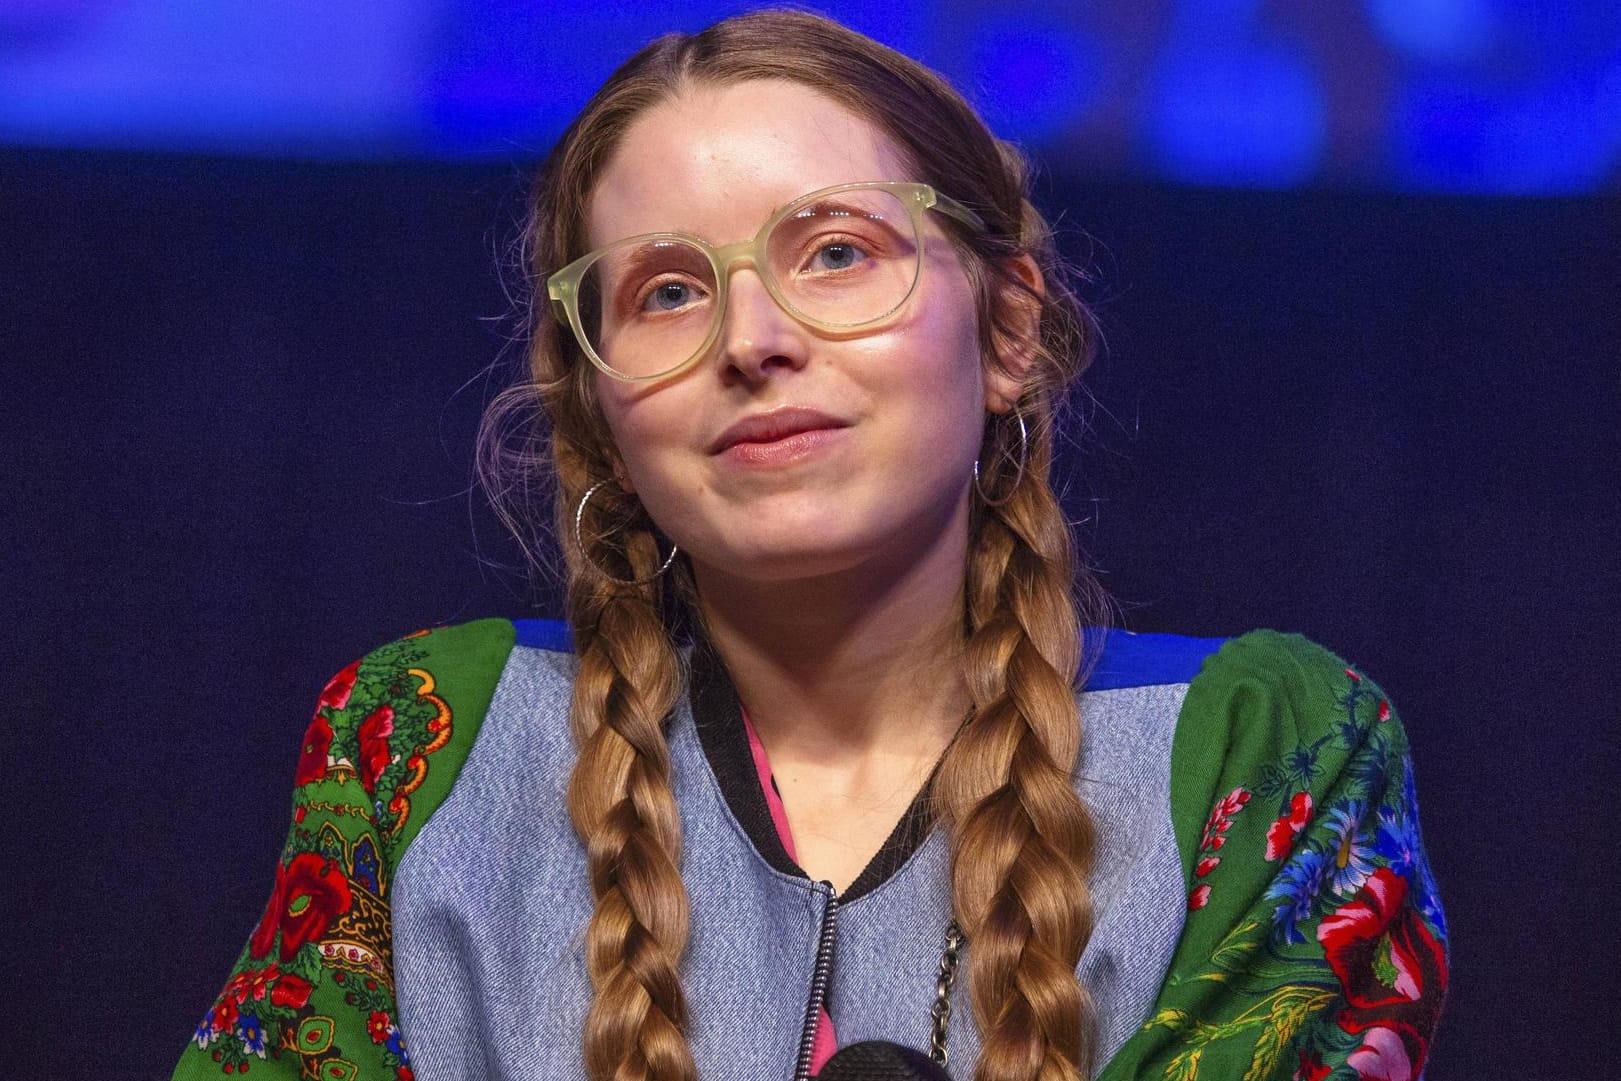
(719, 722)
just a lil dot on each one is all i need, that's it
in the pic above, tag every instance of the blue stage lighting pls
(1241, 115)
(1557, 138)
(1444, 30)
(1037, 80)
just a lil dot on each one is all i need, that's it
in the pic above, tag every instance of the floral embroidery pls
(1280, 836)
(1298, 886)
(1393, 972)
(1333, 968)
(1353, 851)
(1211, 839)
(364, 752)
(374, 752)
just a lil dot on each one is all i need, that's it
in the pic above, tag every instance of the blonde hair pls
(1021, 839)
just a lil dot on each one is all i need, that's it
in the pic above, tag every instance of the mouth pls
(777, 426)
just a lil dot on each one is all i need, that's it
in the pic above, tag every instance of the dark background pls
(240, 409)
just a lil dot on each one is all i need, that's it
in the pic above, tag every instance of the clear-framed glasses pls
(841, 259)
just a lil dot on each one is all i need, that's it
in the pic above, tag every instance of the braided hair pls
(1021, 839)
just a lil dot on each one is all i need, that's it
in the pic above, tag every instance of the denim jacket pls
(439, 934)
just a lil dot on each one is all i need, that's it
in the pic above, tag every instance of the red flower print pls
(1355, 678)
(1394, 974)
(1384, 710)
(1280, 836)
(1311, 1068)
(374, 752)
(310, 890)
(236, 988)
(1221, 817)
(1211, 838)
(404, 1073)
(317, 742)
(313, 890)
(1382, 1057)
(290, 992)
(225, 1014)
(256, 983)
(377, 1026)
(336, 692)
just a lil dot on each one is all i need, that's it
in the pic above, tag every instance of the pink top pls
(825, 1043)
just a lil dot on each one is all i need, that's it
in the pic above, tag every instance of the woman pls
(808, 770)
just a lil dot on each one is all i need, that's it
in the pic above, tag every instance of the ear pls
(1015, 330)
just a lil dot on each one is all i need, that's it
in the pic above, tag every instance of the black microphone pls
(880, 1060)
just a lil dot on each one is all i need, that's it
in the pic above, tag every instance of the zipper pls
(821, 973)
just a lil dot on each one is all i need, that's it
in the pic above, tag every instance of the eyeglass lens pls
(843, 260)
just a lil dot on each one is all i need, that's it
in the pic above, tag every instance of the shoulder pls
(1267, 691)
(1265, 713)
(1280, 721)
(391, 731)
(460, 662)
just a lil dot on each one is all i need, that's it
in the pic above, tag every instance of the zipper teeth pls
(819, 979)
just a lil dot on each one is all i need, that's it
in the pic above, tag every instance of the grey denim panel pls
(489, 902)
(749, 962)
(1137, 888)
(490, 905)
(890, 940)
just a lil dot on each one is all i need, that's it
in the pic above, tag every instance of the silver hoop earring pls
(579, 542)
(1018, 477)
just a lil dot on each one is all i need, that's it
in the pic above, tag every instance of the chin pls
(786, 560)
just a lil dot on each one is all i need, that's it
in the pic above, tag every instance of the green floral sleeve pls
(312, 993)
(1315, 943)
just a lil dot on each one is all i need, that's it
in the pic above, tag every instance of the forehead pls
(717, 160)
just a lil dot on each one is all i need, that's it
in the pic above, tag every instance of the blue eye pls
(838, 256)
(669, 297)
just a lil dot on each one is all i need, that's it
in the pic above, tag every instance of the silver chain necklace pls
(941, 1010)
(881, 1060)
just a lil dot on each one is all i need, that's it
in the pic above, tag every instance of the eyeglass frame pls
(563, 285)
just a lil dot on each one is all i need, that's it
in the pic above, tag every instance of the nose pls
(757, 336)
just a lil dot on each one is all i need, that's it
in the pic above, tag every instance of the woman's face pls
(789, 452)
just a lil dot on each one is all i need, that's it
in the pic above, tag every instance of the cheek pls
(631, 426)
(650, 431)
(947, 366)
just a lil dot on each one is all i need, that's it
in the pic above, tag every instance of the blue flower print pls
(252, 1034)
(1354, 853)
(1398, 841)
(1299, 884)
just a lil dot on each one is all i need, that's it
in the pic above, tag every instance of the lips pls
(773, 427)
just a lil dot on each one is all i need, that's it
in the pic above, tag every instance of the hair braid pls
(625, 814)
(1022, 840)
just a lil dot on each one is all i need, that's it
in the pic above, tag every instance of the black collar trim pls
(719, 722)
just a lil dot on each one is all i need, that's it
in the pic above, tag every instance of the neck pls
(846, 666)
